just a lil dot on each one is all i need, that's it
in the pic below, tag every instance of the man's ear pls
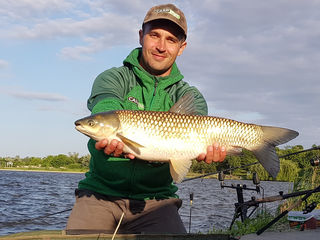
(141, 37)
(182, 47)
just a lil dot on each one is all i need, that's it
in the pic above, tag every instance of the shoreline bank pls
(189, 175)
(40, 170)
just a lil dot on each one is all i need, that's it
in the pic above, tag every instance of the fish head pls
(99, 126)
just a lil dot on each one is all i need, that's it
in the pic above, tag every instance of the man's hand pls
(115, 147)
(215, 153)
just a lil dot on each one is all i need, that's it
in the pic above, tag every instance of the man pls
(119, 187)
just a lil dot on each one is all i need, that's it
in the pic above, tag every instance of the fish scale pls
(203, 129)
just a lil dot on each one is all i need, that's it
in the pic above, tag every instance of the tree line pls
(71, 161)
(290, 167)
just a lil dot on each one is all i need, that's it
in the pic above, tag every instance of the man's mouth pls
(158, 57)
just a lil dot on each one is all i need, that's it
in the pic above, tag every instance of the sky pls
(254, 61)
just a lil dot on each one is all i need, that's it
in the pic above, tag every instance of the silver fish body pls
(179, 138)
(172, 135)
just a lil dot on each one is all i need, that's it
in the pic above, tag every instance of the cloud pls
(107, 40)
(75, 108)
(259, 48)
(39, 96)
(3, 64)
(94, 24)
(26, 10)
(28, 95)
(66, 27)
(255, 62)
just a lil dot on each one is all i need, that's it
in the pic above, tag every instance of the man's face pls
(161, 45)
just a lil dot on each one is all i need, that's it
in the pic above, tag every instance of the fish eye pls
(91, 123)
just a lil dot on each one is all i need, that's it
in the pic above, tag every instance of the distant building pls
(9, 164)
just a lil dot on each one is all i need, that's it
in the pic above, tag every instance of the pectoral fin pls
(131, 144)
(179, 169)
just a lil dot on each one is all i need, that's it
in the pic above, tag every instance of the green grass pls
(252, 225)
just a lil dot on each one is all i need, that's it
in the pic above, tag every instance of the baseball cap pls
(169, 12)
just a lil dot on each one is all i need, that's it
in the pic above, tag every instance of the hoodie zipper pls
(154, 92)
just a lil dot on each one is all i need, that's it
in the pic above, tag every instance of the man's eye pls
(172, 40)
(152, 34)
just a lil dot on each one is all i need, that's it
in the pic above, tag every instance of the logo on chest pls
(134, 100)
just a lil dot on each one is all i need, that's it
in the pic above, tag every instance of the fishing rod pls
(249, 164)
(242, 206)
(308, 208)
(296, 204)
(212, 173)
(281, 196)
(241, 209)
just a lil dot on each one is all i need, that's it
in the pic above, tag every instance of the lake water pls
(25, 196)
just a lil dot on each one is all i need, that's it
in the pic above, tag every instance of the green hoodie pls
(131, 87)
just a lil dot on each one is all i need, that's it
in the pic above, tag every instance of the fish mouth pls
(79, 126)
(84, 131)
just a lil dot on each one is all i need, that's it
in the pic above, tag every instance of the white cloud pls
(74, 108)
(39, 96)
(26, 10)
(29, 95)
(257, 62)
(246, 49)
(3, 64)
(251, 59)
(96, 25)
(67, 27)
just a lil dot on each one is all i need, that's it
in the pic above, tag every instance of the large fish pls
(178, 137)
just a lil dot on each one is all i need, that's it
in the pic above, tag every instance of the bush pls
(74, 166)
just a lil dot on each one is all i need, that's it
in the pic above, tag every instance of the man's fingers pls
(201, 157)
(119, 149)
(210, 154)
(111, 147)
(101, 144)
(130, 156)
(223, 154)
(115, 147)
(216, 153)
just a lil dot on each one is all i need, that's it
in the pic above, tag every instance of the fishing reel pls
(309, 208)
(241, 209)
(255, 179)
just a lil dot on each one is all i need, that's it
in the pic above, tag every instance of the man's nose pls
(161, 46)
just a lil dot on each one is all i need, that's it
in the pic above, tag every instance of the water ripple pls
(25, 196)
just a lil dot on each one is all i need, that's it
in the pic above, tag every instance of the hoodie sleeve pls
(108, 91)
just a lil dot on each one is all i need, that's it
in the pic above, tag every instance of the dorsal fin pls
(185, 105)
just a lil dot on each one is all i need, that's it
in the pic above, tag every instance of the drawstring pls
(115, 232)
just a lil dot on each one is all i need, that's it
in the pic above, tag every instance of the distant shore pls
(42, 170)
(189, 175)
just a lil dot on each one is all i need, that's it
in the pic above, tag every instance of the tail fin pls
(266, 153)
